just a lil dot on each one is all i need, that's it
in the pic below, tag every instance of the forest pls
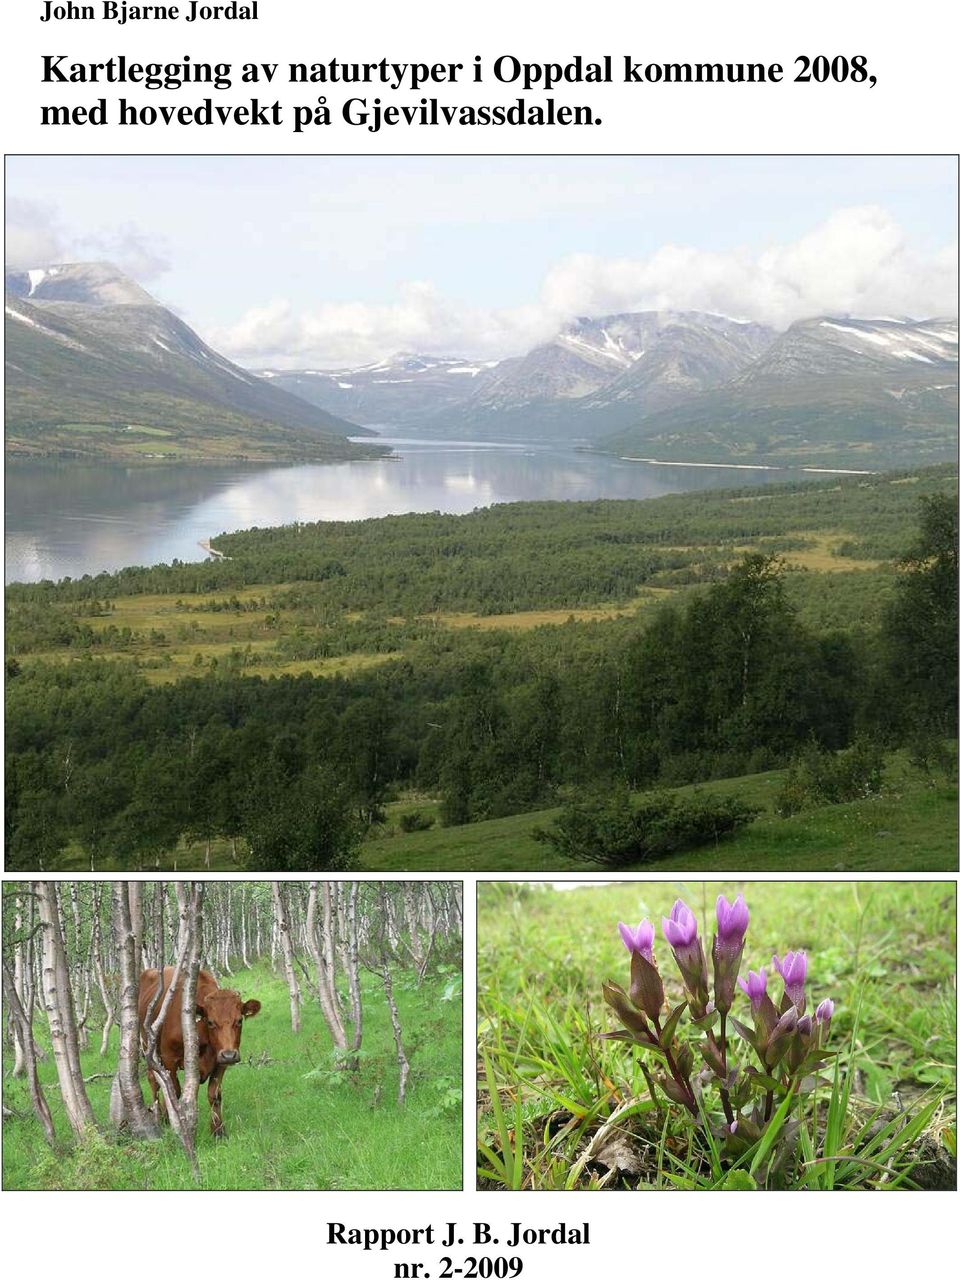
(348, 1075)
(274, 710)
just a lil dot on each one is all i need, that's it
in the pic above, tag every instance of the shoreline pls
(750, 466)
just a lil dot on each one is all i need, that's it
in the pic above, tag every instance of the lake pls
(68, 519)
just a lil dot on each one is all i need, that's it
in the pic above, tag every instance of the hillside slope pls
(94, 367)
(403, 390)
(599, 372)
(830, 391)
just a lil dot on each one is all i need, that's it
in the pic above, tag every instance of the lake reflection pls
(69, 519)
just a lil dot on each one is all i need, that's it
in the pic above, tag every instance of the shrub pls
(612, 831)
(820, 777)
(415, 821)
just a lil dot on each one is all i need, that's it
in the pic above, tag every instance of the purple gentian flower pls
(755, 987)
(825, 1012)
(805, 1025)
(681, 932)
(732, 921)
(793, 970)
(732, 924)
(681, 929)
(639, 939)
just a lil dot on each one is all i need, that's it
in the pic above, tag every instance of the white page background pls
(912, 50)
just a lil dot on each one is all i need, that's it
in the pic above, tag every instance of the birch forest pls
(305, 1034)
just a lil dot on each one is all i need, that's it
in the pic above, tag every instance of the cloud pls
(857, 262)
(132, 250)
(36, 237)
(421, 319)
(33, 236)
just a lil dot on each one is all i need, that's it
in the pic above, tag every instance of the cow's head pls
(221, 1015)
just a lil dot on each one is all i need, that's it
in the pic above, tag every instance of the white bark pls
(127, 1108)
(286, 945)
(58, 1002)
(23, 1031)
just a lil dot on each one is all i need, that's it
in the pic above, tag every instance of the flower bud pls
(639, 939)
(793, 970)
(825, 1011)
(824, 1015)
(732, 921)
(632, 1019)
(781, 1037)
(755, 987)
(681, 932)
(646, 987)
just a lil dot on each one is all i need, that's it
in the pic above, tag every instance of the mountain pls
(95, 284)
(600, 372)
(401, 391)
(828, 390)
(96, 368)
(597, 373)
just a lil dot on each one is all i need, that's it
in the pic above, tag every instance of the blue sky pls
(325, 259)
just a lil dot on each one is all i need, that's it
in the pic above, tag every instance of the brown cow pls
(220, 1015)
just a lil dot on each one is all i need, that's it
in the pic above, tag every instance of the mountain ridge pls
(838, 387)
(697, 386)
(96, 368)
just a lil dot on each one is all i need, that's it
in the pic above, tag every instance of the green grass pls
(550, 1087)
(911, 826)
(293, 1121)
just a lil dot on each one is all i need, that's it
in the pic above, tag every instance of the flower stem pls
(690, 1101)
(722, 1050)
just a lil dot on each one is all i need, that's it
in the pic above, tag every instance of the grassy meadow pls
(555, 1102)
(910, 826)
(294, 1121)
(337, 598)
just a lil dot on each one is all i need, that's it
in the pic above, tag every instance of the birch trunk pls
(190, 899)
(99, 973)
(58, 1002)
(283, 928)
(127, 1108)
(23, 1034)
(322, 955)
(136, 921)
(402, 1060)
(353, 968)
(19, 1049)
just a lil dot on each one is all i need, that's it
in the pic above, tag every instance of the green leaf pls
(738, 1180)
(670, 1026)
(745, 1032)
(766, 1082)
(769, 1137)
